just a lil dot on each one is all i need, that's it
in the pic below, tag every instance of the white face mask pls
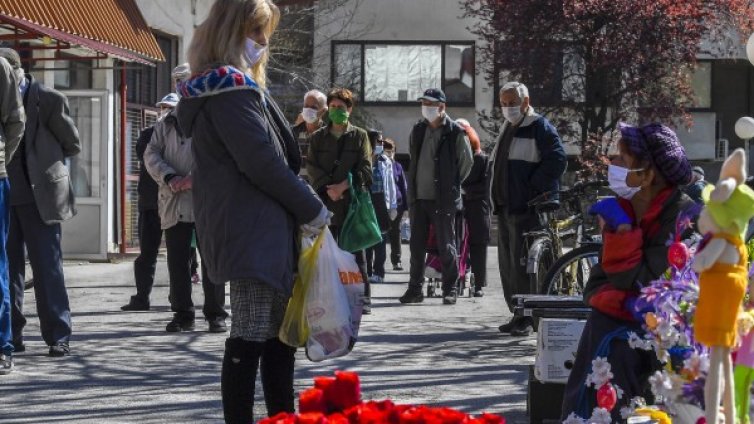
(512, 114)
(310, 115)
(254, 52)
(430, 113)
(616, 178)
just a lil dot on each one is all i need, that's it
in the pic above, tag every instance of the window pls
(701, 82)
(148, 84)
(397, 73)
(78, 75)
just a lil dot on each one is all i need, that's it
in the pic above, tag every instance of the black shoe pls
(478, 293)
(367, 305)
(412, 295)
(510, 325)
(176, 326)
(524, 328)
(449, 297)
(215, 326)
(60, 349)
(18, 346)
(6, 363)
(398, 267)
(135, 305)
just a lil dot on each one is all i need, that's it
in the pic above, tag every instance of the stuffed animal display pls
(721, 262)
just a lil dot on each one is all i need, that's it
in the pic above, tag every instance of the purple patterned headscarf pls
(659, 144)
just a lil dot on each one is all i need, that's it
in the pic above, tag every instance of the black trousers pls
(511, 255)
(423, 213)
(45, 254)
(178, 241)
(394, 234)
(150, 238)
(477, 215)
(376, 258)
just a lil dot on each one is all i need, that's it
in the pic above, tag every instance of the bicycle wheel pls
(540, 260)
(569, 274)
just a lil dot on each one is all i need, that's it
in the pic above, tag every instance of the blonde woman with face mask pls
(248, 201)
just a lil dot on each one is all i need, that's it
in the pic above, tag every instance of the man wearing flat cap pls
(41, 197)
(441, 159)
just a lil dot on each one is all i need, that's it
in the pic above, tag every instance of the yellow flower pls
(655, 414)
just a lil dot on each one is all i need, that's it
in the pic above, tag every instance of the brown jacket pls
(356, 158)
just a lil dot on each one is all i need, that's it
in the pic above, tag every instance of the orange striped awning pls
(114, 27)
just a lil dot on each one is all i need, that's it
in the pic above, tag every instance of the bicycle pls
(551, 270)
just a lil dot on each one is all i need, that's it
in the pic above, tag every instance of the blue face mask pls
(253, 52)
(378, 149)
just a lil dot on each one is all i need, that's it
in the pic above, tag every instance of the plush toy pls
(743, 359)
(723, 278)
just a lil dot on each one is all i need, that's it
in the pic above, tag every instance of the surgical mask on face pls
(616, 178)
(430, 113)
(310, 115)
(512, 114)
(378, 149)
(338, 116)
(253, 52)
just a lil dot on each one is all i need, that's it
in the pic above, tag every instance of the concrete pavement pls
(124, 368)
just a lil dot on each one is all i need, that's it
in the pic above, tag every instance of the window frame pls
(711, 107)
(443, 45)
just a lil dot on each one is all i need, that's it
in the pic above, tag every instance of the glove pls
(611, 211)
(393, 214)
(315, 226)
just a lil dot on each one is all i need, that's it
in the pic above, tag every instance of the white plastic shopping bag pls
(334, 301)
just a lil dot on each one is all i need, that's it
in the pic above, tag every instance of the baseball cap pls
(171, 100)
(181, 72)
(433, 95)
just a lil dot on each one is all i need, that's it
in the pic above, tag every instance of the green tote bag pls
(360, 229)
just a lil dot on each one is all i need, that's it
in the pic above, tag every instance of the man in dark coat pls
(41, 197)
(528, 160)
(441, 160)
(11, 130)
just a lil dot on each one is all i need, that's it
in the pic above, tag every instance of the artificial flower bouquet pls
(337, 400)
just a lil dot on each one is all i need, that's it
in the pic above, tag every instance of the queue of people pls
(223, 129)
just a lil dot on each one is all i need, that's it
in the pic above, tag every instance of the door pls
(85, 235)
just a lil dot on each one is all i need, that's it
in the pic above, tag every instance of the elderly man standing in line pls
(442, 159)
(41, 198)
(528, 160)
(11, 131)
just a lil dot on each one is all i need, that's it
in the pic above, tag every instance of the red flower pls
(344, 393)
(281, 418)
(312, 400)
(312, 418)
(323, 383)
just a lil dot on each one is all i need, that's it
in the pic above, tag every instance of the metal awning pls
(112, 27)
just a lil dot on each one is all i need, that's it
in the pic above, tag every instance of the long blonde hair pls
(221, 38)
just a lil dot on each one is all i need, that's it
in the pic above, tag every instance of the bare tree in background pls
(291, 67)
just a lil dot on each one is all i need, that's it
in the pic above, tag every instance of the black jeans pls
(45, 254)
(150, 238)
(178, 241)
(394, 234)
(423, 213)
(376, 257)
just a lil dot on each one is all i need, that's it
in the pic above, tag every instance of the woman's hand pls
(335, 191)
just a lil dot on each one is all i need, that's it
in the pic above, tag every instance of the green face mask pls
(338, 116)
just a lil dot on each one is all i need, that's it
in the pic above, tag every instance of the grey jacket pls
(11, 115)
(51, 136)
(169, 153)
(248, 202)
